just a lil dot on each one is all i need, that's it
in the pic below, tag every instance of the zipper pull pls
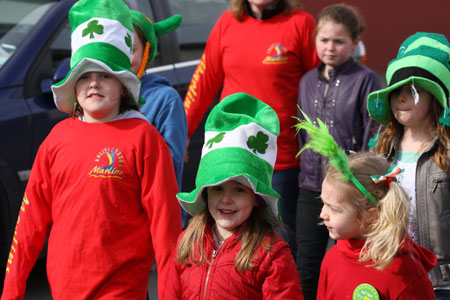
(436, 182)
(214, 254)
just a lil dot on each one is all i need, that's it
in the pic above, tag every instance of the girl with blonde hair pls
(366, 211)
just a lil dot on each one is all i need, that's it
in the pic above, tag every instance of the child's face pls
(230, 204)
(405, 111)
(334, 44)
(99, 96)
(138, 51)
(338, 215)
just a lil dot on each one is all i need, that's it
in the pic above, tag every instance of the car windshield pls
(199, 17)
(17, 19)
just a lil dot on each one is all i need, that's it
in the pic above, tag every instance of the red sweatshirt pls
(106, 194)
(264, 58)
(406, 278)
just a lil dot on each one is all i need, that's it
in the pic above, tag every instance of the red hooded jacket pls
(342, 275)
(274, 275)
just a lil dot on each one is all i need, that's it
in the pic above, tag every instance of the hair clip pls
(389, 176)
(444, 119)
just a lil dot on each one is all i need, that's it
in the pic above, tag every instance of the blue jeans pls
(442, 294)
(312, 240)
(285, 182)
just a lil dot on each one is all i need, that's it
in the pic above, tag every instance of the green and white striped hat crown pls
(102, 40)
(422, 60)
(240, 144)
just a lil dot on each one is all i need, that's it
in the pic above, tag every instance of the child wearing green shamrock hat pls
(102, 187)
(414, 109)
(230, 249)
(163, 105)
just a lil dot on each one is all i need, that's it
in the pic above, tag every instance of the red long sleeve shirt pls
(106, 194)
(264, 58)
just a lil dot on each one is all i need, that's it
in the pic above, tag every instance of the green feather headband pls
(323, 143)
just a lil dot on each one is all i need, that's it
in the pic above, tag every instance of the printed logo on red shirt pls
(109, 164)
(276, 54)
(365, 291)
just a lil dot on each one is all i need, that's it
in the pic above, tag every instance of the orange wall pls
(389, 23)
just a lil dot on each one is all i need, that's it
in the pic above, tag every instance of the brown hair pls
(140, 34)
(238, 6)
(385, 234)
(126, 104)
(344, 14)
(435, 128)
(258, 227)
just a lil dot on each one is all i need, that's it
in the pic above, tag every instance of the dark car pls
(34, 52)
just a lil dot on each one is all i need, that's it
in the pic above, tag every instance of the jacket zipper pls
(209, 271)
(436, 183)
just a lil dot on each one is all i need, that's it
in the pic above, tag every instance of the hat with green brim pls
(152, 30)
(240, 144)
(102, 39)
(422, 60)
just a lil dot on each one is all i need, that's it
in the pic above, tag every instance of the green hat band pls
(251, 137)
(106, 31)
(115, 58)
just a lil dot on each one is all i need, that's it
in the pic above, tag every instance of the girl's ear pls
(369, 216)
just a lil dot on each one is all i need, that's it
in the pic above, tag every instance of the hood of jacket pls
(154, 80)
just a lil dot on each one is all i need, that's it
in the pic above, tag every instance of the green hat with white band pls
(240, 144)
(102, 40)
(422, 60)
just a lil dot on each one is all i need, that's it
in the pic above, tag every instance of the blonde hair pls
(389, 229)
(238, 7)
(258, 230)
(395, 130)
(346, 15)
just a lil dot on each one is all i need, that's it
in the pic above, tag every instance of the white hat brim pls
(64, 91)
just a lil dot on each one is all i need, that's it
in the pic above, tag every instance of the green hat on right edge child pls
(422, 60)
(240, 144)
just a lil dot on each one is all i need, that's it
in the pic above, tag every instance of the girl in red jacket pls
(230, 248)
(366, 211)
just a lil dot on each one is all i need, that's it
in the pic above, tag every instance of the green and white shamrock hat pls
(152, 30)
(240, 144)
(102, 40)
(422, 60)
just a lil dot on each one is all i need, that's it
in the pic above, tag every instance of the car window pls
(17, 19)
(199, 17)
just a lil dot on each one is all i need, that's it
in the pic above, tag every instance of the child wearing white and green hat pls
(163, 105)
(415, 110)
(102, 186)
(230, 248)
